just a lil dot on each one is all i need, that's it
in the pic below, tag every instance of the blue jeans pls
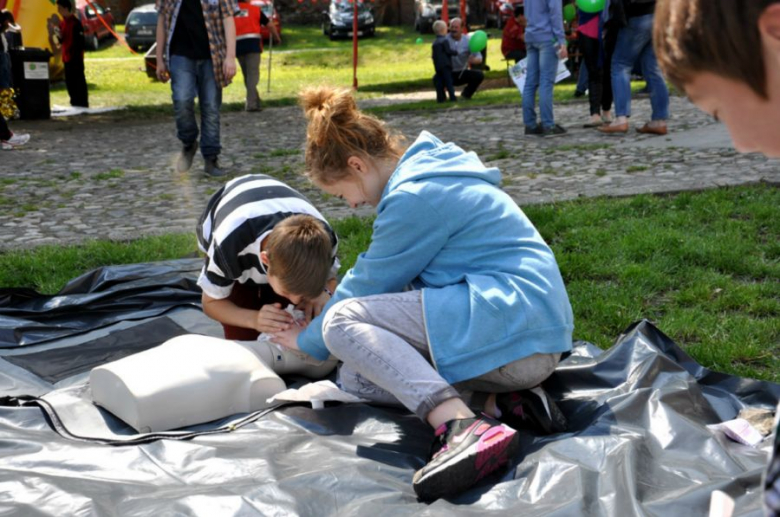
(636, 42)
(191, 78)
(542, 67)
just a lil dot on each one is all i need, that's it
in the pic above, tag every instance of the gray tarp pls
(638, 443)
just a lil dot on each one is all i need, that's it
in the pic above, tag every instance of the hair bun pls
(327, 109)
(316, 100)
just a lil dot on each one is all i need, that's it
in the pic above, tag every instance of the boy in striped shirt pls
(266, 247)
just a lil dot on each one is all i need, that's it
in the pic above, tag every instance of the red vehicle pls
(94, 30)
(497, 12)
(269, 10)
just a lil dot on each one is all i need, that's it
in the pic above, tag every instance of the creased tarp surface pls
(97, 299)
(638, 445)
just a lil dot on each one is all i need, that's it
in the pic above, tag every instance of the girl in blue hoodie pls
(458, 303)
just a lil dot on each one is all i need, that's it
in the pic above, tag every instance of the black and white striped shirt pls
(236, 220)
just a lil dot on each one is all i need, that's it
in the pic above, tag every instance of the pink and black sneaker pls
(464, 451)
(532, 410)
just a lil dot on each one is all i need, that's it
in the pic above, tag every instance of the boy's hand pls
(229, 68)
(313, 308)
(271, 318)
(162, 71)
(288, 338)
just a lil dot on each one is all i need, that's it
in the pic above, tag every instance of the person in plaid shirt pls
(196, 50)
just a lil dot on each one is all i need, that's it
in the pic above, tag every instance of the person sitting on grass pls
(513, 37)
(457, 310)
(725, 56)
(442, 53)
(266, 247)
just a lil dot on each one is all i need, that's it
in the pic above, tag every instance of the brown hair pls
(338, 130)
(716, 36)
(299, 255)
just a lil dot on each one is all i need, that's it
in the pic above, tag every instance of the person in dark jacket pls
(442, 54)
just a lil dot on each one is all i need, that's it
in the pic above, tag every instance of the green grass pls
(704, 266)
(102, 176)
(390, 62)
(116, 78)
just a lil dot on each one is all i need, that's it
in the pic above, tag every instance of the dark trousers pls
(515, 55)
(599, 70)
(443, 80)
(76, 83)
(251, 297)
(5, 133)
(471, 78)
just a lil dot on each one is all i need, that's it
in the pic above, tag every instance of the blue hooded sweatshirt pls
(491, 289)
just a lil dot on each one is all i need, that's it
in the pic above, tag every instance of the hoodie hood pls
(430, 157)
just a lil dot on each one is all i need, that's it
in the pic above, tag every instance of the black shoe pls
(463, 452)
(532, 410)
(212, 167)
(579, 93)
(465, 97)
(184, 163)
(554, 131)
(536, 130)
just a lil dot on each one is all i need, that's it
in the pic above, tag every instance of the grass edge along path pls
(704, 266)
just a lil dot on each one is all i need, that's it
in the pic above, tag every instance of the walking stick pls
(270, 48)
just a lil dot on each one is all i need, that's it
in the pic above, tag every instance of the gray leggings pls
(382, 342)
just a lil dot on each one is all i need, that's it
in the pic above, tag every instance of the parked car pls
(141, 27)
(497, 12)
(94, 30)
(270, 11)
(428, 11)
(337, 20)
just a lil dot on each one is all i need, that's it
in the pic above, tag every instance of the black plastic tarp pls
(638, 444)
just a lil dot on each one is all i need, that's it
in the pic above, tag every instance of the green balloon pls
(569, 12)
(590, 6)
(419, 40)
(477, 41)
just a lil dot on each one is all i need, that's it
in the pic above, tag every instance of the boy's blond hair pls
(439, 28)
(299, 253)
(337, 130)
(716, 36)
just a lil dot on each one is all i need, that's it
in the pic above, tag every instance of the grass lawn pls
(390, 62)
(704, 266)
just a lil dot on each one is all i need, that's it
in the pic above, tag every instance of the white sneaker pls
(16, 140)
(5, 147)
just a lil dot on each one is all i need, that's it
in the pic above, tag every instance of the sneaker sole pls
(491, 452)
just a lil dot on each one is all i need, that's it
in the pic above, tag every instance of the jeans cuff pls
(431, 402)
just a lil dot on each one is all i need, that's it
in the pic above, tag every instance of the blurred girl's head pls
(346, 149)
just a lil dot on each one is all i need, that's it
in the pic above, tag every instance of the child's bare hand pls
(271, 318)
(288, 338)
(313, 308)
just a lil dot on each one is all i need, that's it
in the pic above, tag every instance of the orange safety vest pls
(247, 21)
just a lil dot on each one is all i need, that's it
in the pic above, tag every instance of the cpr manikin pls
(193, 379)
